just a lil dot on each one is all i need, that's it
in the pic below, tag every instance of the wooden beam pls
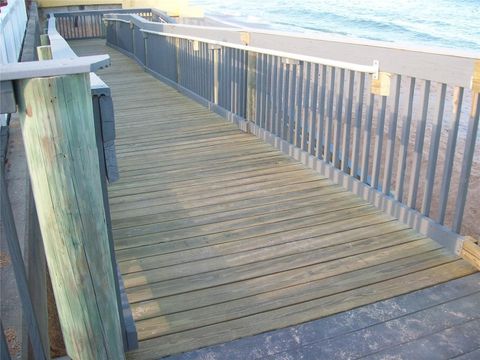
(471, 251)
(476, 77)
(44, 40)
(381, 86)
(59, 137)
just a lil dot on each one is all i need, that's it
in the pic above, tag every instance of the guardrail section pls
(363, 124)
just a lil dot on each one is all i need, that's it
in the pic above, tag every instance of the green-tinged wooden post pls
(56, 117)
(44, 52)
(44, 40)
(251, 86)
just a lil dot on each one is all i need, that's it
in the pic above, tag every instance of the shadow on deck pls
(219, 236)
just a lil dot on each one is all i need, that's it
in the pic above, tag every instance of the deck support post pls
(57, 123)
(251, 86)
(44, 40)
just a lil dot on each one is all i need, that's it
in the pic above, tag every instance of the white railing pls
(13, 21)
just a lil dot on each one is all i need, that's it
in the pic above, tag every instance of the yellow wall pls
(171, 7)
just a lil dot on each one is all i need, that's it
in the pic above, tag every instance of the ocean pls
(434, 23)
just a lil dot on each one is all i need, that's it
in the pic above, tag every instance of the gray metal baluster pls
(313, 120)
(472, 134)
(338, 120)
(306, 118)
(418, 153)
(348, 122)
(392, 134)
(280, 99)
(263, 118)
(273, 96)
(402, 163)
(231, 79)
(257, 88)
(19, 272)
(4, 352)
(285, 97)
(291, 115)
(299, 100)
(243, 83)
(433, 152)
(377, 155)
(367, 138)
(329, 126)
(321, 114)
(268, 90)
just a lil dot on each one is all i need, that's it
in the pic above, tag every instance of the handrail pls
(61, 50)
(369, 69)
(83, 24)
(334, 115)
(454, 68)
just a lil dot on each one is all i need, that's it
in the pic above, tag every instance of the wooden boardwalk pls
(219, 236)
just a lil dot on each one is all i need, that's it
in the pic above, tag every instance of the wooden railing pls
(356, 112)
(81, 301)
(13, 20)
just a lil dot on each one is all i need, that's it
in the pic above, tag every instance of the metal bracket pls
(376, 69)
(132, 25)
(245, 37)
(33, 69)
(475, 84)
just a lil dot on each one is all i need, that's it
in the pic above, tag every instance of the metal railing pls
(89, 24)
(359, 113)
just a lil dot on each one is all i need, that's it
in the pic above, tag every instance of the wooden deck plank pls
(219, 236)
(326, 334)
(297, 294)
(212, 334)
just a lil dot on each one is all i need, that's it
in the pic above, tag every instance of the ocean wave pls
(445, 23)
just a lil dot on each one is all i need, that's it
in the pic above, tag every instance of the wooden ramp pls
(219, 236)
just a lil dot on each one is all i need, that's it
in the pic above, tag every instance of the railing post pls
(44, 40)
(177, 59)
(216, 66)
(60, 144)
(251, 86)
(145, 48)
(467, 162)
(132, 28)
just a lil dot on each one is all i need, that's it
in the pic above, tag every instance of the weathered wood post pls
(56, 117)
(44, 52)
